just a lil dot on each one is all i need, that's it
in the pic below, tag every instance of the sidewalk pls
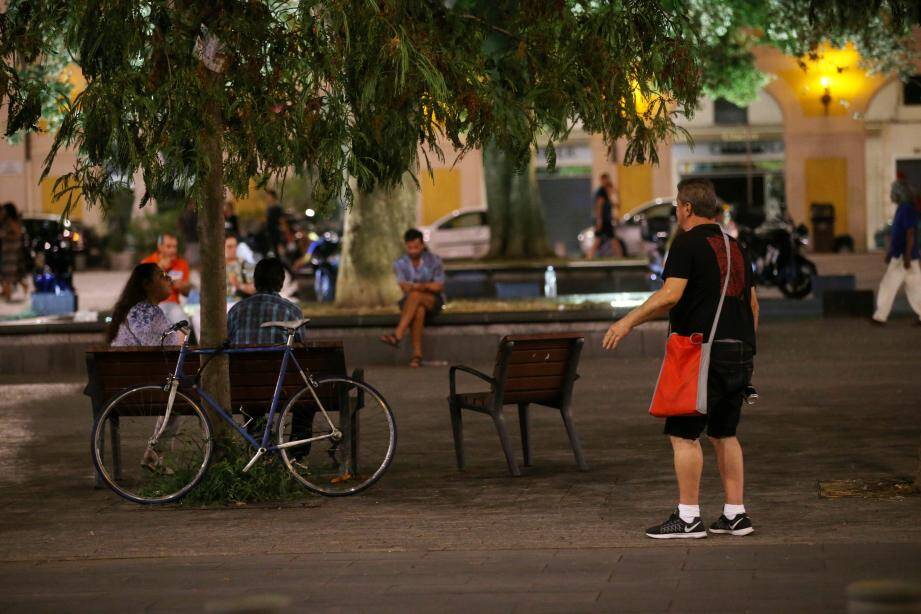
(839, 400)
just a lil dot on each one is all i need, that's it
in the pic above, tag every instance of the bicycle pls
(317, 431)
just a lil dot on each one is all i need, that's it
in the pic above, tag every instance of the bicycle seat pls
(289, 325)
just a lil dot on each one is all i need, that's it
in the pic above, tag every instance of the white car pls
(639, 229)
(648, 226)
(463, 233)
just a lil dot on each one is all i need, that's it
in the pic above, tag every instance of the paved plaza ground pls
(840, 400)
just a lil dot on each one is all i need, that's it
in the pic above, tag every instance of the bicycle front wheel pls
(144, 456)
(347, 436)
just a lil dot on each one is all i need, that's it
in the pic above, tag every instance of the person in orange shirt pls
(167, 258)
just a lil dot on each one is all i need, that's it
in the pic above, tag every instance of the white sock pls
(688, 512)
(731, 511)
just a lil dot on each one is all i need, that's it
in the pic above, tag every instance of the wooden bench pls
(529, 369)
(111, 371)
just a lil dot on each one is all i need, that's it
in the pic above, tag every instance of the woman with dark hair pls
(12, 258)
(136, 318)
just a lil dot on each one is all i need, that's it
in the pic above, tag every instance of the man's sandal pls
(416, 362)
(390, 340)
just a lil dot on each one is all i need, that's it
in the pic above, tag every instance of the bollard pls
(250, 604)
(883, 596)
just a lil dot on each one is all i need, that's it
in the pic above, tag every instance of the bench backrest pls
(252, 376)
(538, 368)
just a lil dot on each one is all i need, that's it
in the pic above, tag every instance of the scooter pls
(324, 257)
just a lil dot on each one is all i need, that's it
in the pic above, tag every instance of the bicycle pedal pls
(245, 415)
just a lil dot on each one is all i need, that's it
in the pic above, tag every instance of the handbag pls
(681, 388)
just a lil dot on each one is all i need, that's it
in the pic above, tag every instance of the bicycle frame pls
(178, 377)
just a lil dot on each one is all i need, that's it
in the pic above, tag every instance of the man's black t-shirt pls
(699, 256)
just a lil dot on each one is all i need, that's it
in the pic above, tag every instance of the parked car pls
(463, 233)
(641, 229)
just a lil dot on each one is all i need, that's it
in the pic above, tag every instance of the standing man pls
(902, 259)
(421, 276)
(167, 258)
(694, 274)
(605, 212)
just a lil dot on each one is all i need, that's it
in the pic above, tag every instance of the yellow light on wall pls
(831, 81)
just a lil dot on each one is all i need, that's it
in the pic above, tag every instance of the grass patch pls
(225, 483)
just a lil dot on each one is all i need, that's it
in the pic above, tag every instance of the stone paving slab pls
(518, 579)
(839, 400)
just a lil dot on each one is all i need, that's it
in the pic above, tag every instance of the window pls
(911, 91)
(465, 220)
(727, 114)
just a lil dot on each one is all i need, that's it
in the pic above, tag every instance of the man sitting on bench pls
(421, 276)
(244, 321)
(244, 327)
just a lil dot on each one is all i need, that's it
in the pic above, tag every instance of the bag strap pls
(719, 308)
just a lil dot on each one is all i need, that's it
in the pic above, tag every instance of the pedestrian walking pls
(712, 307)
(901, 262)
(605, 211)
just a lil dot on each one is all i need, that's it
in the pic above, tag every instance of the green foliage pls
(343, 87)
(144, 230)
(727, 31)
(358, 88)
(225, 483)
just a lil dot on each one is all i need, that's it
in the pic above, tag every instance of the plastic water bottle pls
(550, 282)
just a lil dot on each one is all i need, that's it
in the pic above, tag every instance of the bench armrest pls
(452, 376)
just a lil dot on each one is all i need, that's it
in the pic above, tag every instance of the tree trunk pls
(373, 239)
(216, 378)
(516, 222)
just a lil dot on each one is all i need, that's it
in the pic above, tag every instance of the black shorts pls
(731, 369)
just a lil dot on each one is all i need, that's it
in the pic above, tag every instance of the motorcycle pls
(775, 250)
(324, 258)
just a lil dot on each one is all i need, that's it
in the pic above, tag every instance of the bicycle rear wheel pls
(139, 469)
(352, 448)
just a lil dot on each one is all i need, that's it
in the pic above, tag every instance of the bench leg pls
(457, 428)
(524, 422)
(506, 442)
(345, 425)
(116, 447)
(573, 439)
(353, 446)
(102, 456)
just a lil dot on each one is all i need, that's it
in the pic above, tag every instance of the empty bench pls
(529, 370)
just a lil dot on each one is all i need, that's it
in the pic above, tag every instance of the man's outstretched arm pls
(656, 305)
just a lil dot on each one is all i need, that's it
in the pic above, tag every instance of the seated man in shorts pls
(421, 276)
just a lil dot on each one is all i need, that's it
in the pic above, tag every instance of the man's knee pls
(722, 442)
(679, 443)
